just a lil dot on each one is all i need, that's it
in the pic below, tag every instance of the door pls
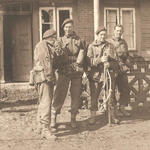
(18, 46)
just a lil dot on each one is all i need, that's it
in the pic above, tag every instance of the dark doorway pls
(17, 47)
(63, 14)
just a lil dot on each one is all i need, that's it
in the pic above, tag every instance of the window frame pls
(119, 17)
(62, 8)
(105, 13)
(40, 19)
(134, 24)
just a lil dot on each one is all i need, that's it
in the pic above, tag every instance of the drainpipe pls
(96, 16)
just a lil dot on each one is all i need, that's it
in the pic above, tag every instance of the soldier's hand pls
(104, 59)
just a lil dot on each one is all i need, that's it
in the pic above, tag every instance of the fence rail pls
(139, 83)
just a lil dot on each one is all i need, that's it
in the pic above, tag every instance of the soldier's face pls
(102, 36)
(118, 32)
(52, 38)
(68, 28)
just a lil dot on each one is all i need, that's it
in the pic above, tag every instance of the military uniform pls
(121, 47)
(95, 51)
(69, 71)
(44, 78)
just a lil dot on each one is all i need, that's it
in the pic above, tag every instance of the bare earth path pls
(17, 124)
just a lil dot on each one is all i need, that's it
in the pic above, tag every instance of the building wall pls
(142, 19)
(123, 4)
(82, 16)
(85, 22)
(145, 28)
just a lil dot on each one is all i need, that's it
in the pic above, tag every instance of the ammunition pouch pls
(37, 75)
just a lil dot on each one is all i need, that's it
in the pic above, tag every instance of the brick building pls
(22, 23)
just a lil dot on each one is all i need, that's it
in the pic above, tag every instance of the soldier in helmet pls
(70, 71)
(121, 48)
(44, 78)
(101, 53)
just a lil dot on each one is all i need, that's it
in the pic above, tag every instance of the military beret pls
(100, 28)
(68, 20)
(49, 33)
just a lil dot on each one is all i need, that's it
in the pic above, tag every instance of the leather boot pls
(46, 133)
(124, 112)
(112, 118)
(53, 121)
(38, 129)
(92, 118)
(73, 121)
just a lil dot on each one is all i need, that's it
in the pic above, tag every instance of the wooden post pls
(96, 15)
(1, 51)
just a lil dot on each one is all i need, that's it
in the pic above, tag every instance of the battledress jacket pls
(67, 63)
(43, 61)
(95, 51)
(121, 48)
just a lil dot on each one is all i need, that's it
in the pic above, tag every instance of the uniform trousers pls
(61, 91)
(45, 91)
(123, 89)
(95, 89)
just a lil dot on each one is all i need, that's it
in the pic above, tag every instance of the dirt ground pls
(17, 130)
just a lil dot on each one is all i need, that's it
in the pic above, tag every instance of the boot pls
(119, 113)
(38, 129)
(46, 133)
(112, 115)
(73, 121)
(124, 112)
(92, 118)
(53, 121)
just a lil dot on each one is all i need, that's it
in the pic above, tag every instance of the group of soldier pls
(70, 57)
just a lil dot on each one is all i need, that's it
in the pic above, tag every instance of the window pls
(47, 19)
(62, 14)
(124, 16)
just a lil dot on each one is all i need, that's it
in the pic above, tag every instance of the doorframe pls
(62, 8)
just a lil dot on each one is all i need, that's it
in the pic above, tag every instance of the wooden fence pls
(139, 83)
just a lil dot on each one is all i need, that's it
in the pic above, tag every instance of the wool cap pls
(68, 20)
(100, 28)
(49, 33)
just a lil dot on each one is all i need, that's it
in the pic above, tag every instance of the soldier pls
(44, 78)
(100, 52)
(70, 70)
(121, 47)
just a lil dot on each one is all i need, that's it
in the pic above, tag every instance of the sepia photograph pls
(74, 74)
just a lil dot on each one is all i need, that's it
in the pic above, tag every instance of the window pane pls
(47, 16)
(47, 20)
(127, 21)
(46, 27)
(111, 21)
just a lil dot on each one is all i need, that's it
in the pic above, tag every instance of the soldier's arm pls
(124, 51)
(36, 56)
(110, 52)
(82, 53)
(126, 57)
(92, 60)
